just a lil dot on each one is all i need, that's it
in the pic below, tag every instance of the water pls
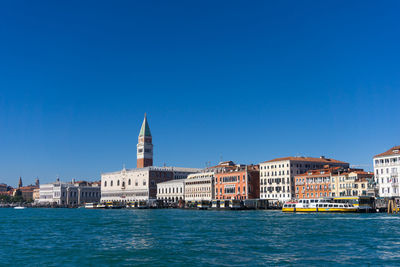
(78, 237)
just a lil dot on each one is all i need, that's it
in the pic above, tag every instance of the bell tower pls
(144, 146)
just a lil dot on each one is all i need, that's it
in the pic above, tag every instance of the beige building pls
(171, 191)
(351, 183)
(36, 194)
(277, 175)
(199, 186)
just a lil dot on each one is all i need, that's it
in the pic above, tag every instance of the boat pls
(19, 208)
(90, 206)
(317, 205)
(203, 205)
(215, 204)
(235, 204)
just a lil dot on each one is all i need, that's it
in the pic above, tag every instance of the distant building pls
(314, 183)
(36, 194)
(351, 182)
(69, 194)
(138, 184)
(333, 182)
(234, 181)
(387, 169)
(129, 185)
(277, 175)
(200, 186)
(26, 192)
(171, 191)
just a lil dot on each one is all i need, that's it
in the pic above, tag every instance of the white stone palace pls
(129, 185)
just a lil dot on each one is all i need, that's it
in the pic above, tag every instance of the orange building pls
(314, 183)
(236, 181)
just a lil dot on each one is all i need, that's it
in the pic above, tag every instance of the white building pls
(171, 191)
(387, 169)
(138, 184)
(69, 194)
(200, 186)
(277, 175)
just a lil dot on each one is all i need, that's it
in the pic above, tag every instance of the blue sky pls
(237, 80)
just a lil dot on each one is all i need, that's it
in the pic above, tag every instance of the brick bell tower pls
(144, 146)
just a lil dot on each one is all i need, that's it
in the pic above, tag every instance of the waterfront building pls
(36, 194)
(3, 188)
(26, 192)
(138, 184)
(351, 182)
(171, 191)
(69, 194)
(200, 186)
(277, 175)
(314, 183)
(387, 169)
(236, 181)
(129, 185)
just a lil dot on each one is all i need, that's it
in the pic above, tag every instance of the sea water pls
(175, 237)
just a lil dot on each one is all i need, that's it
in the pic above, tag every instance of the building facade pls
(130, 185)
(235, 181)
(386, 170)
(351, 182)
(200, 186)
(314, 183)
(277, 175)
(69, 194)
(171, 191)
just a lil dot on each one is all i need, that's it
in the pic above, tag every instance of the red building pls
(236, 181)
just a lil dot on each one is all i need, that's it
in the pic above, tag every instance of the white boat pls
(90, 206)
(19, 208)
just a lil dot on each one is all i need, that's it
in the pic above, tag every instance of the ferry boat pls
(362, 203)
(317, 205)
(19, 208)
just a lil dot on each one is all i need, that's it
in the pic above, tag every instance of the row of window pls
(169, 191)
(123, 183)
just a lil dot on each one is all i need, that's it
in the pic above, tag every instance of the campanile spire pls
(145, 146)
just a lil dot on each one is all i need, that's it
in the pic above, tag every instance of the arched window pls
(111, 182)
(105, 183)
(118, 183)
(144, 181)
(123, 184)
(129, 182)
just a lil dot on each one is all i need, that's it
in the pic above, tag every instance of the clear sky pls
(246, 81)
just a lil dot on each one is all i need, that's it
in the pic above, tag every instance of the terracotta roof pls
(317, 172)
(309, 159)
(393, 151)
